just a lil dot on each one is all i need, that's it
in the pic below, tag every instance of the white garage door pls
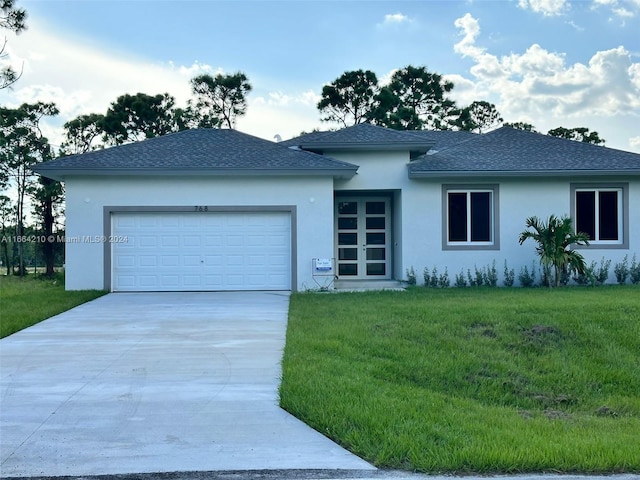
(201, 251)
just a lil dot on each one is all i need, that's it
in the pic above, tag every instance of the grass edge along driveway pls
(471, 380)
(25, 301)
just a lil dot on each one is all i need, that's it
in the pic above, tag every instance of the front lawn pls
(29, 300)
(471, 380)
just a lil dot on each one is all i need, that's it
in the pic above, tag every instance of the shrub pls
(411, 276)
(428, 279)
(443, 280)
(634, 271)
(433, 282)
(479, 276)
(490, 275)
(621, 270)
(594, 274)
(601, 272)
(460, 280)
(477, 280)
(527, 278)
(509, 276)
(587, 277)
(426, 275)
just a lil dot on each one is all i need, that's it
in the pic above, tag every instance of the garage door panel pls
(147, 241)
(148, 261)
(147, 222)
(124, 261)
(256, 240)
(169, 241)
(201, 251)
(213, 240)
(191, 240)
(191, 260)
(213, 260)
(170, 260)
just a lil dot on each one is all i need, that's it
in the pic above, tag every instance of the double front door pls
(363, 237)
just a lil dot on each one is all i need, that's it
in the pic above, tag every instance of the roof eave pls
(519, 173)
(61, 173)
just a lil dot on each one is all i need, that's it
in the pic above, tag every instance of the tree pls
(522, 126)
(415, 99)
(49, 195)
(580, 134)
(82, 133)
(12, 19)
(135, 117)
(219, 101)
(349, 99)
(6, 229)
(21, 146)
(554, 240)
(478, 116)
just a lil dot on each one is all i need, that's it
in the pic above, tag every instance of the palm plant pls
(554, 239)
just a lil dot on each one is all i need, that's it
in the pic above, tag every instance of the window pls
(470, 217)
(600, 212)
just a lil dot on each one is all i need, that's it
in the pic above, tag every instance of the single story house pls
(216, 209)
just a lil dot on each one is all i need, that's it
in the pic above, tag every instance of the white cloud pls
(196, 68)
(267, 117)
(539, 86)
(395, 19)
(280, 99)
(386, 78)
(539, 80)
(470, 29)
(619, 8)
(635, 142)
(545, 7)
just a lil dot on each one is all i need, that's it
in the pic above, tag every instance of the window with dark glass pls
(457, 217)
(480, 216)
(470, 216)
(598, 214)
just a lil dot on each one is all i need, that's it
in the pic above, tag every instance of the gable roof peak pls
(362, 136)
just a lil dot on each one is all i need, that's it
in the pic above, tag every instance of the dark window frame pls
(494, 217)
(623, 212)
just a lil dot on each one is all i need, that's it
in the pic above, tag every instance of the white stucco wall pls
(377, 171)
(416, 206)
(418, 211)
(518, 200)
(86, 197)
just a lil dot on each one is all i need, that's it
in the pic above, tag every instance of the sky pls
(570, 63)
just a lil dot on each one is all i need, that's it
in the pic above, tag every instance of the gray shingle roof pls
(361, 136)
(296, 141)
(200, 151)
(443, 138)
(510, 151)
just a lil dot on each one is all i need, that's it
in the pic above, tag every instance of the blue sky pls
(547, 62)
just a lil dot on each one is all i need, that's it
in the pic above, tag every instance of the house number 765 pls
(200, 208)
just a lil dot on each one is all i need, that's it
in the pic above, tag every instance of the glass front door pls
(363, 237)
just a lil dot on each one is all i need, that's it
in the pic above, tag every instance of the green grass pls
(29, 300)
(471, 380)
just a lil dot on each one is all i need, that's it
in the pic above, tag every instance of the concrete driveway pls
(155, 382)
